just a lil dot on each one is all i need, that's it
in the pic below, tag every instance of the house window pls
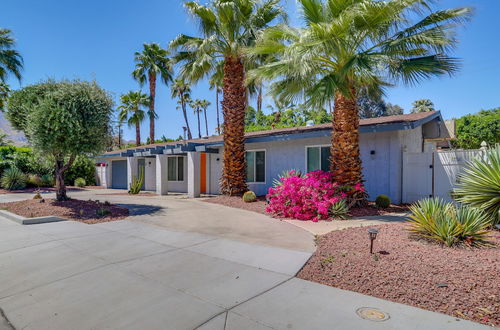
(176, 168)
(256, 166)
(318, 158)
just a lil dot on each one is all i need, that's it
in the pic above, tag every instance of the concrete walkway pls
(133, 275)
(129, 275)
(324, 227)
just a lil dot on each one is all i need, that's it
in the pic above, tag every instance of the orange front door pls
(203, 173)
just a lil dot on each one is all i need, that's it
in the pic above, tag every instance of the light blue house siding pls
(381, 155)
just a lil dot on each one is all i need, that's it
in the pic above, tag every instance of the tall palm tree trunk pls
(233, 109)
(259, 98)
(137, 133)
(184, 112)
(206, 120)
(217, 103)
(345, 159)
(152, 94)
(199, 125)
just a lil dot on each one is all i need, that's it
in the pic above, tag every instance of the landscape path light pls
(372, 232)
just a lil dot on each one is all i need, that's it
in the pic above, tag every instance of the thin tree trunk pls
(137, 134)
(199, 125)
(152, 94)
(345, 159)
(60, 169)
(217, 103)
(184, 112)
(233, 179)
(259, 98)
(206, 121)
(119, 136)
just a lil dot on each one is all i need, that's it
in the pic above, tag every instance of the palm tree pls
(182, 90)
(423, 105)
(132, 112)
(197, 105)
(204, 105)
(11, 62)
(228, 27)
(152, 62)
(346, 46)
(215, 83)
(4, 95)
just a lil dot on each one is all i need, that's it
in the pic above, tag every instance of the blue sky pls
(96, 39)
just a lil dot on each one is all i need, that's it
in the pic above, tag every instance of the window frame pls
(255, 167)
(314, 146)
(177, 169)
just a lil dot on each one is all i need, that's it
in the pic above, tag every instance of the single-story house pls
(194, 166)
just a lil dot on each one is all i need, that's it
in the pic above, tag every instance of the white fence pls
(431, 174)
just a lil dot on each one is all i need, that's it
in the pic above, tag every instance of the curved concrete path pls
(179, 213)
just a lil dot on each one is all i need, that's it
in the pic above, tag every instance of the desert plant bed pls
(89, 212)
(260, 205)
(41, 190)
(460, 281)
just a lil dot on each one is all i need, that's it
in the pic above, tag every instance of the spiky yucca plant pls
(13, 179)
(480, 184)
(339, 209)
(437, 220)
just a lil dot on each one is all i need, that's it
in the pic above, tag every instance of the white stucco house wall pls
(195, 166)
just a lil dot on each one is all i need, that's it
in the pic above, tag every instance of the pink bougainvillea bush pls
(308, 197)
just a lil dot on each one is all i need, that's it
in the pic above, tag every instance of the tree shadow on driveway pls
(141, 209)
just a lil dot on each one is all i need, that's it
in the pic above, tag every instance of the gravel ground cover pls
(260, 206)
(78, 210)
(462, 282)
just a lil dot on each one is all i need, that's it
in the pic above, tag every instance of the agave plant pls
(339, 209)
(437, 220)
(286, 174)
(13, 179)
(137, 183)
(480, 184)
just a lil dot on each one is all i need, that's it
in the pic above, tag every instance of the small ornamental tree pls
(67, 119)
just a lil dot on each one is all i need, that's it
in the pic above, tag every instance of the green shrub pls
(443, 222)
(37, 196)
(34, 180)
(339, 209)
(83, 167)
(383, 201)
(286, 174)
(102, 212)
(80, 182)
(48, 180)
(480, 184)
(249, 197)
(137, 183)
(13, 179)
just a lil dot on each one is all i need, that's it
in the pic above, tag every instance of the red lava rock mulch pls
(78, 210)
(260, 206)
(461, 282)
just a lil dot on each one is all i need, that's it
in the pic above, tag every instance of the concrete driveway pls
(133, 275)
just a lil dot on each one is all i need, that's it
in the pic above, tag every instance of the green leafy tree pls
(423, 105)
(393, 109)
(473, 129)
(4, 141)
(11, 62)
(69, 119)
(131, 111)
(181, 90)
(152, 63)
(346, 46)
(228, 27)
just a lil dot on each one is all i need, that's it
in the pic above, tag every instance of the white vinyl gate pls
(428, 174)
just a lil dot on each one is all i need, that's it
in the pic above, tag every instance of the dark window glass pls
(325, 158)
(180, 169)
(250, 159)
(313, 163)
(260, 166)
